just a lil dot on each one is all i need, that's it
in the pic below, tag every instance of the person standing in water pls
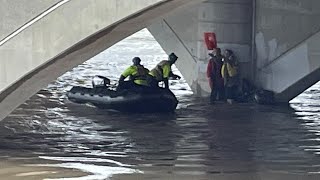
(229, 72)
(214, 76)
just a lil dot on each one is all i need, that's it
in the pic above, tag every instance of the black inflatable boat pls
(128, 100)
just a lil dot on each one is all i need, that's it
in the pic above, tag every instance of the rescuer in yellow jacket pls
(162, 71)
(137, 73)
(229, 72)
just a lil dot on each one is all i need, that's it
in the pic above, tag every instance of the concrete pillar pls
(183, 32)
(177, 32)
(281, 25)
(286, 38)
(231, 20)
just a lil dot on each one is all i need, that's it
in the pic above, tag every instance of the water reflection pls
(198, 140)
(148, 139)
(307, 111)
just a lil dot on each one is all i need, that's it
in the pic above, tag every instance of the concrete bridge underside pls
(277, 42)
(66, 37)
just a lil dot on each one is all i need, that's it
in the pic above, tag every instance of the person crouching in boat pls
(162, 72)
(137, 74)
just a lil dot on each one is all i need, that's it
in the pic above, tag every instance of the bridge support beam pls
(287, 43)
(182, 31)
(275, 42)
(67, 37)
(294, 71)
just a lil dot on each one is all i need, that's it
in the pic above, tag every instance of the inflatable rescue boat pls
(128, 100)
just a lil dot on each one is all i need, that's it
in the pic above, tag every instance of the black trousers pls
(217, 93)
(231, 92)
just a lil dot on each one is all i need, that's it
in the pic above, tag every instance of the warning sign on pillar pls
(210, 40)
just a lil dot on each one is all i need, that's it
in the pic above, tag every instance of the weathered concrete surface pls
(178, 33)
(171, 42)
(294, 71)
(283, 24)
(286, 37)
(15, 13)
(279, 26)
(231, 20)
(182, 32)
(67, 37)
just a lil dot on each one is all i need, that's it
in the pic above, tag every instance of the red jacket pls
(214, 73)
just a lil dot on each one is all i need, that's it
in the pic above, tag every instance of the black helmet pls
(173, 57)
(136, 60)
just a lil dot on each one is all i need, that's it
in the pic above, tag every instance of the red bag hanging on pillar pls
(210, 40)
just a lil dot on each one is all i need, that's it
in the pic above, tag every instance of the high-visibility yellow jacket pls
(137, 73)
(161, 71)
(228, 68)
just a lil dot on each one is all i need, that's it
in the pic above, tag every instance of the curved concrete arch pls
(67, 37)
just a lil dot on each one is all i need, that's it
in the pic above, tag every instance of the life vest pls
(137, 73)
(161, 71)
(228, 70)
(141, 73)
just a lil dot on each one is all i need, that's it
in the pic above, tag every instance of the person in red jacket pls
(214, 75)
